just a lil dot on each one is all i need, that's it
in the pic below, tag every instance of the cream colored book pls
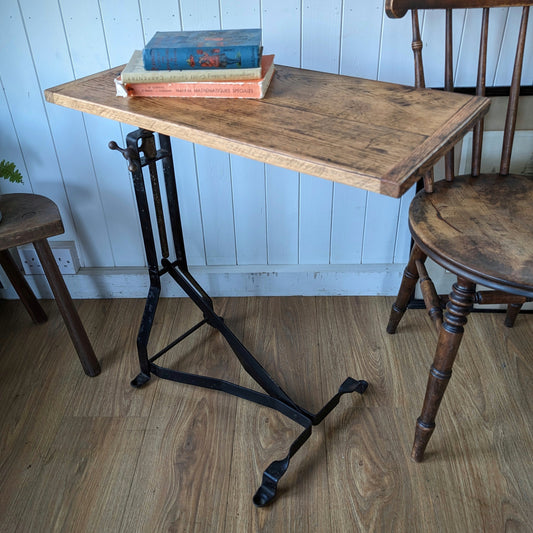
(134, 72)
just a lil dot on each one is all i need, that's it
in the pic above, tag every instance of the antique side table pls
(377, 136)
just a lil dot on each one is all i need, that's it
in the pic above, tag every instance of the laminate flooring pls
(80, 454)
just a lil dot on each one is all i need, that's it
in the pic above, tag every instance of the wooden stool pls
(33, 218)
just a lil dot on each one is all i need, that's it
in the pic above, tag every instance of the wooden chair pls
(32, 218)
(478, 226)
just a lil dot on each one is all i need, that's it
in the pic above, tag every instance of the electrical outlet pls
(66, 258)
(64, 252)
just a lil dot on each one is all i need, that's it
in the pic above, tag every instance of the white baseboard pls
(260, 280)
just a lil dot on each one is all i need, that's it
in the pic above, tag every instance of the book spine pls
(154, 76)
(235, 57)
(201, 89)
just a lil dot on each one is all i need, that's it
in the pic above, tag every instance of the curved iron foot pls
(267, 491)
(140, 380)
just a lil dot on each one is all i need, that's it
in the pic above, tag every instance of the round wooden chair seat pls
(27, 218)
(479, 228)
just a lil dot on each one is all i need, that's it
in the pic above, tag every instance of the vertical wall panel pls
(87, 45)
(504, 70)
(25, 101)
(85, 35)
(402, 247)
(360, 50)
(217, 205)
(433, 29)
(361, 38)
(324, 19)
(433, 34)
(248, 179)
(166, 16)
(527, 77)
(123, 29)
(380, 229)
(347, 224)
(238, 14)
(163, 15)
(315, 220)
(282, 30)
(200, 14)
(282, 36)
(47, 38)
(282, 190)
(469, 52)
(214, 174)
(10, 149)
(189, 200)
(396, 59)
(381, 217)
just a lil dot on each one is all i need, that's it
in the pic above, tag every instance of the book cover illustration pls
(134, 72)
(207, 89)
(188, 50)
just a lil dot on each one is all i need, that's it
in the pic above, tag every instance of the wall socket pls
(64, 252)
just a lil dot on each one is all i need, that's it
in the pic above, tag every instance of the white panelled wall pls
(249, 228)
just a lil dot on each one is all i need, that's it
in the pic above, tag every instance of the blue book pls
(188, 50)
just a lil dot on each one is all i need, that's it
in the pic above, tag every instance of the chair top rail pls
(398, 8)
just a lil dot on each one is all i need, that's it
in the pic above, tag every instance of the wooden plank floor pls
(83, 454)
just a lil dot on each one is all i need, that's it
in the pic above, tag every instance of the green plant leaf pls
(9, 171)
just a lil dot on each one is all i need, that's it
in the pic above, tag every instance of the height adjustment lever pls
(129, 154)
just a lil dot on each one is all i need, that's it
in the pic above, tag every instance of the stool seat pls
(31, 218)
(27, 218)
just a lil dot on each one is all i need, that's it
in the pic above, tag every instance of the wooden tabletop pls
(368, 134)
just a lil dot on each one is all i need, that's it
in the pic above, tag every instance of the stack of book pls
(209, 64)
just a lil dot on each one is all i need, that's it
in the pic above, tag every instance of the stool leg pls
(22, 288)
(66, 307)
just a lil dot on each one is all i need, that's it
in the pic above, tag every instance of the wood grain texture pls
(373, 135)
(79, 454)
(264, 324)
(479, 228)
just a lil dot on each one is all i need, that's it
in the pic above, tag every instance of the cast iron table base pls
(140, 152)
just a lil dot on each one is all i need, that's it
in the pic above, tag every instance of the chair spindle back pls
(398, 8)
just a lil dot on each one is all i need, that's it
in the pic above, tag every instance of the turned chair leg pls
(512, 313)
(458, 307)
(67, 309)
(22, 288)
(409, 280)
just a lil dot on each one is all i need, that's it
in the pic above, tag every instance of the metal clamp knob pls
(128, 153)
